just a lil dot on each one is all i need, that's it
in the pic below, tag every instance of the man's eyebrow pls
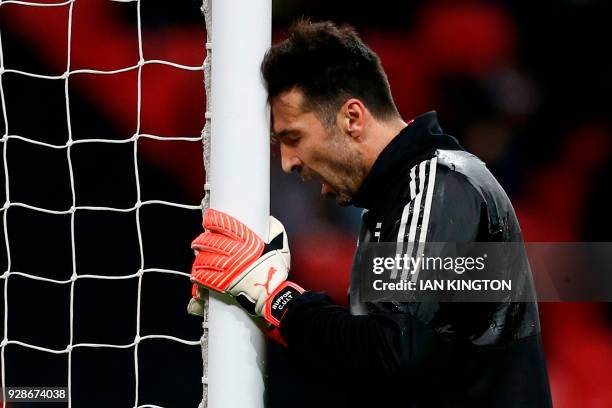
(281, 133)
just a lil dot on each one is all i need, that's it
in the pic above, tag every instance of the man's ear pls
(352, 118)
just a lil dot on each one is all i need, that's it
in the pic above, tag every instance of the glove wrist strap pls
(278, 302)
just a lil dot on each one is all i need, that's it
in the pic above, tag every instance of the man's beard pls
(341, 167)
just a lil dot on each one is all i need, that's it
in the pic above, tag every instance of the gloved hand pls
(230, 258)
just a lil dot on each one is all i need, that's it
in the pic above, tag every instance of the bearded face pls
(317, 152)
(339, 167)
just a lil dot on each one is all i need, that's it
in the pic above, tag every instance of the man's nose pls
(290, 161)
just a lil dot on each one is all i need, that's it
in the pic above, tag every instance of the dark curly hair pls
(329, 64)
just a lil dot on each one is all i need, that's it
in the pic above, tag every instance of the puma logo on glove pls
(266, 284)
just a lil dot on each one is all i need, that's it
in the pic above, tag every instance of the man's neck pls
(382, 133)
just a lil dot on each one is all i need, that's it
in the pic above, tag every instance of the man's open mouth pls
(326, 189)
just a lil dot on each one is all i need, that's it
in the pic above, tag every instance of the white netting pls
(6, 276)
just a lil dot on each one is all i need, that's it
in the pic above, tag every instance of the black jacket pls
(425, 188)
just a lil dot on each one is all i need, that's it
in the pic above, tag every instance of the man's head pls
(331, 105)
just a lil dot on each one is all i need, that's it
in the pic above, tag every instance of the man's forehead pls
(286, 109)
(291, 100)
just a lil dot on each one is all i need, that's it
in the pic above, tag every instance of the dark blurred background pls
(523, 85)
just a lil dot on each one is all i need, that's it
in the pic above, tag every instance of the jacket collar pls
(422, 136)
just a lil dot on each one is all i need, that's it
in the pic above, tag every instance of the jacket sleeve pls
(327, 337)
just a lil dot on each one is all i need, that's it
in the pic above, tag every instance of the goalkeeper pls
(335, 120)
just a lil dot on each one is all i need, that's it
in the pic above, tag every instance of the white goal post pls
(238, 178)
(236, 140)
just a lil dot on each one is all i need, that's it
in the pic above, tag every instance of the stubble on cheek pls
(344, 170)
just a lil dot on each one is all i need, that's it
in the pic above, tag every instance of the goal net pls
(102, 176)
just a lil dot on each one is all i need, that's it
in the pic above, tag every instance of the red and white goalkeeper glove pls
(230, 258)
